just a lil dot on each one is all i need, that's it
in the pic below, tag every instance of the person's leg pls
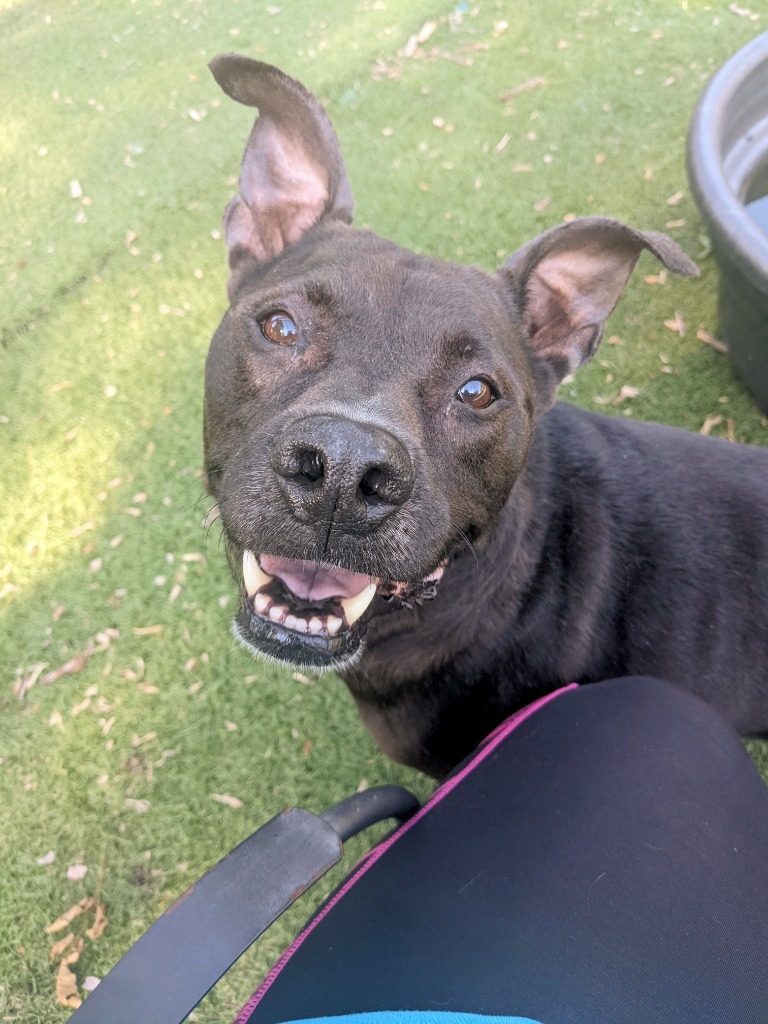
(606, 863)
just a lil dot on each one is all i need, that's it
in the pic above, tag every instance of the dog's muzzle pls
(342, 480)
(349, 475)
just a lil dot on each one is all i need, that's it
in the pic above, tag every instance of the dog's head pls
(368, 410)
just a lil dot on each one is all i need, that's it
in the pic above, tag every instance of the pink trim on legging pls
(489, 745)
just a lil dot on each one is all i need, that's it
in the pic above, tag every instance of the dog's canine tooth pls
(355, 606)
(254, 576)
(261, 603)
(333, 624)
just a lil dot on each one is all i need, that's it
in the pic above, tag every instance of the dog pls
(404, 501)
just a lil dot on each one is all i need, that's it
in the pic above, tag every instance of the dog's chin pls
(275, 642)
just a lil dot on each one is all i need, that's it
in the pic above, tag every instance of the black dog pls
(380, 430)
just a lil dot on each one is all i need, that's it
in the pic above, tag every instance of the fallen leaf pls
(79, 530)
(542, 204)
(224, 798)
(76, 872)
(715, 343)
(47, 858)
(66, 982)
(78, 708)
(627, 391)
(100, 922)
(422, 36)
(743, 12)
(60, 945)
(502, 143)
(139, 806)
(677, 324)
(709, 423)
(675, 199)
(147, 630)
(69, 915)
(527, 86)
(21, 686)
(660, 278)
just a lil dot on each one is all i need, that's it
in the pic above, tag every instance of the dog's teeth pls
(355, 606)
(254, 576)
(333, 624)
(278, 612)
(301, 626)
(290, 621)
(261, 603)
(315, 625)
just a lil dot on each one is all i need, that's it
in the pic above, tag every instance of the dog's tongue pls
(313, 581)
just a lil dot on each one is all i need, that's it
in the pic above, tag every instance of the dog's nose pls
(334, 470)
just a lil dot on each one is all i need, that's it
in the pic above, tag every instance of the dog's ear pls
(292, 172)
(567, 281)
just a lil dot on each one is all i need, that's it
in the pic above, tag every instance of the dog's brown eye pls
(280, 329)
(477, 393)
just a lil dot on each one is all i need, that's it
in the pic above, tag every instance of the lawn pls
(139, 743)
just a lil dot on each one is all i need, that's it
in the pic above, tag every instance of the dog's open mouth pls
(310, 613)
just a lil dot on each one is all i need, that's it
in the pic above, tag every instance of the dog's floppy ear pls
(292, 172)
(568, 280)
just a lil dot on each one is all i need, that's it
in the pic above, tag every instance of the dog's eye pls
(477, 393)
(279, 328)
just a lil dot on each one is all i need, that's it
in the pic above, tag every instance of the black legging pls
(606, 863)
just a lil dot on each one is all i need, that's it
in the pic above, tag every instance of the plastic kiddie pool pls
(728, 172)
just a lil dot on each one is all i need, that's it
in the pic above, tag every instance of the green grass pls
(109, 300)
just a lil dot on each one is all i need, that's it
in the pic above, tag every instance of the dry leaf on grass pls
(676, 324)
(100, 922)
(225, 798)
(709, 423)
(69, 948)
(66, 982)
(94, 645)
(69, 915)
(715, 343)
(518, 90)
(660, 278)
(422, 36)
(58, 947)
(627, 391)
(743, 12)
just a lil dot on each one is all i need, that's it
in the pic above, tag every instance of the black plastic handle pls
(358, 812)
(167, 971)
